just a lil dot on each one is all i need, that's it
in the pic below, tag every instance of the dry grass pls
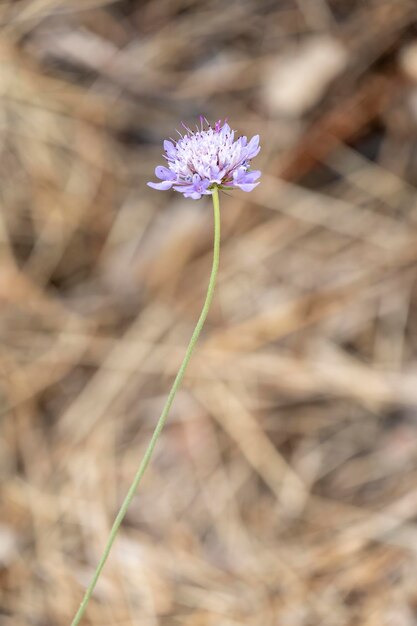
(284, 489)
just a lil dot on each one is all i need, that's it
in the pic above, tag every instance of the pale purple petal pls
(163, 173)
(246, 187)
(252, 148)
(183, 188)
(216, 174)
(194, 195)
(243, 176)
(170, 149)
(164, 186)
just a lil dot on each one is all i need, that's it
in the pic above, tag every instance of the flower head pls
(206, 158)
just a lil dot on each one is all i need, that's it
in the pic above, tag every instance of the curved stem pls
(163, 417)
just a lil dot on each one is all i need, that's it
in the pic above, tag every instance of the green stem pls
(161, 422)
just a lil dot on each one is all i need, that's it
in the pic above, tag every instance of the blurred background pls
(284, 489)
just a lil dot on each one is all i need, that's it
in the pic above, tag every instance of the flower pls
(206, 158)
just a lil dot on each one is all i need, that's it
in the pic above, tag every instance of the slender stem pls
(163, 417)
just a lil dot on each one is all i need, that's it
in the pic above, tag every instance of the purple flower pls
(206, 158)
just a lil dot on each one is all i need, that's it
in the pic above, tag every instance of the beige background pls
(283, 491)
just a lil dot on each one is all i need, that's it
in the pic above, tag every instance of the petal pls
(201, 188)
(254, 142)
(216, 174)
(246, 186)
(252, 148)
(204, 184)
(239, 173)
(169, 148)
(195, 195)
(184, 188)
(163, 173)
(247, 177)
(226, 129)
(253, 154)
(166, 184)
